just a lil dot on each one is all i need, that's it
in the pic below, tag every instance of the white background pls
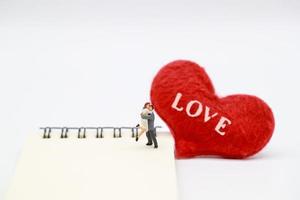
(92, 62)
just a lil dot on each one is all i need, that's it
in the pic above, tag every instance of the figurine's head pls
(151, 107)
(146, 105)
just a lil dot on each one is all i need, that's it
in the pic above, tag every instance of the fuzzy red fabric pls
(236, 126)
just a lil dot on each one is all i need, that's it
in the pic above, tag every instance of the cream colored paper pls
(88, 169)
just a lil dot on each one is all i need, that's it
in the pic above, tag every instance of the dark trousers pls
(151, 136)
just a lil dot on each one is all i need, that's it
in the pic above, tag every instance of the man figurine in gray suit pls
(151, 134)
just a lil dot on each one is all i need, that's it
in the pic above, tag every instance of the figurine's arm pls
(147, 116)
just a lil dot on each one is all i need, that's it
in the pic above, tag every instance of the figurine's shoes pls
(155, 147)
(136, 139)
(148, 144)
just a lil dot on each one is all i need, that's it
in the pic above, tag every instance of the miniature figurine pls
(147, 125)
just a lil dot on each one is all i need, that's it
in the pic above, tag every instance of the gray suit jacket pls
(150, 118)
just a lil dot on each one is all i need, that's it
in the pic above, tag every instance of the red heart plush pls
(236, 126)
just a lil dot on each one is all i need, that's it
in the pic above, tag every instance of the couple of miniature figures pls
(147, 125)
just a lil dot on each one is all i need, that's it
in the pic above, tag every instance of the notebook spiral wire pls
(82, 131)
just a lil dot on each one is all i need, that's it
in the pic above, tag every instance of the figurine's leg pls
(142, 130)
(153, 137)
(149, 138)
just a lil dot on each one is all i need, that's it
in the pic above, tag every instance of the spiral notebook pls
(90, 163)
